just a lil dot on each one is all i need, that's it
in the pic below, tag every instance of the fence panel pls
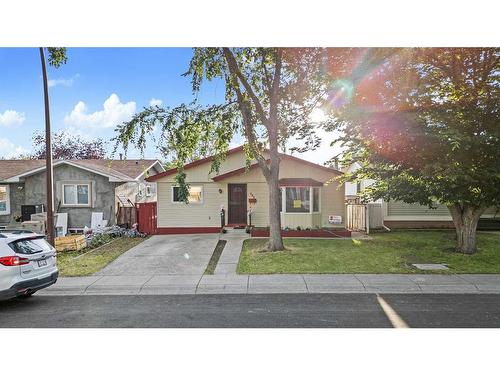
(146, 214)
(356, 217)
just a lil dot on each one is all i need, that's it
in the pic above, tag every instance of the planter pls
(316, 233)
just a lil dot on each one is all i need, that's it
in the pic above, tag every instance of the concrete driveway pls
(165, 255)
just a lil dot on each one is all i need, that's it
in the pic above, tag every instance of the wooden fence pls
(362, 217)
(146, 215)
(356, 217)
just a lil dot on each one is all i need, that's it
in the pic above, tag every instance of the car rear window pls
(30, 246)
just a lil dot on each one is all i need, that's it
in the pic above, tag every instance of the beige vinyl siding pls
(260, 211)
(200, 173)
(205, 214)
(397, 208)
(316, 219)
(332, 203)
(295, 220)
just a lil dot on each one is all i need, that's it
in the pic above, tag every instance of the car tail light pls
(13, 261)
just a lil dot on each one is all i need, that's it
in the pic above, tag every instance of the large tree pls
(269, 96)
(67, 146)
(425, 125)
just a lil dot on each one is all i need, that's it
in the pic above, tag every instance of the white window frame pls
(178, 202)
(311, 197)
(7, 200)
(149, 193)
(89, 204)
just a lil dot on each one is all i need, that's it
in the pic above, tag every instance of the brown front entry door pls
(237, 205)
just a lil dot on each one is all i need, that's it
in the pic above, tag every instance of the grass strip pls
(214, 259)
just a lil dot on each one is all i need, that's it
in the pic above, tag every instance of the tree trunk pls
(465, 219)
(275, 240)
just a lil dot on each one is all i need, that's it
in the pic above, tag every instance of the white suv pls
(27, 264)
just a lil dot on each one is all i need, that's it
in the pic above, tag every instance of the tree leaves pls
(428, 127)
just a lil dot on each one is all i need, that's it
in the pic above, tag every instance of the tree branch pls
(235, 70)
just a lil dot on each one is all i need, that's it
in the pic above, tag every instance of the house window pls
(140, 191)
(76, 194)
(297, 199)
(195, 194)
(300, 199)
(149, 191)
(315, 199)
(4, 200)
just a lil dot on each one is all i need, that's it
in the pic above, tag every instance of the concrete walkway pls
(228, 262)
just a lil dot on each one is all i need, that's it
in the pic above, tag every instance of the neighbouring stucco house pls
(309, 196)
(80, 187)
(399, 215)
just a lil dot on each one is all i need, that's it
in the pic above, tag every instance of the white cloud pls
(9, 150)
(63, 81)
(11, 118)
(154, 102)
(114, 112)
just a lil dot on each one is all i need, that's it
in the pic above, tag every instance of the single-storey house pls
(399, 215)
(80, 188)
(309, 196)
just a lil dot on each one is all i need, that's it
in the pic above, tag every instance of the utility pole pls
(48, 155)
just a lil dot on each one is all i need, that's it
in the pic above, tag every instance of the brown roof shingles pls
(10, 168)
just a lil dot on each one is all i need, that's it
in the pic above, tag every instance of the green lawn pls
(386, 253)
(73, 264)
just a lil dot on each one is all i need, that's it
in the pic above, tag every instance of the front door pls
(237, 204)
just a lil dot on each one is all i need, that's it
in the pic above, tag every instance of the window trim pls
(63, 200)
(148, 191)
(179, 202)
(311, 197)
(7, 200)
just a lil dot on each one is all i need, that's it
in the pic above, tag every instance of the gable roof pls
(172, 171)
(193, 164)
(116, 170)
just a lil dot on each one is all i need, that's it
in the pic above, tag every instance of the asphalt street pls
(265, 310)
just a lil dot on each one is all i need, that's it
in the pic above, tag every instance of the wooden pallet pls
(70, 243)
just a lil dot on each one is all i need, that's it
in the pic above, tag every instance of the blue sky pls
(97, 89)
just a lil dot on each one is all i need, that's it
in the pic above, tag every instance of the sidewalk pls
(257, 284)
(226, 281)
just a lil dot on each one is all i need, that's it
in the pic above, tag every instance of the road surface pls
(264, 310)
